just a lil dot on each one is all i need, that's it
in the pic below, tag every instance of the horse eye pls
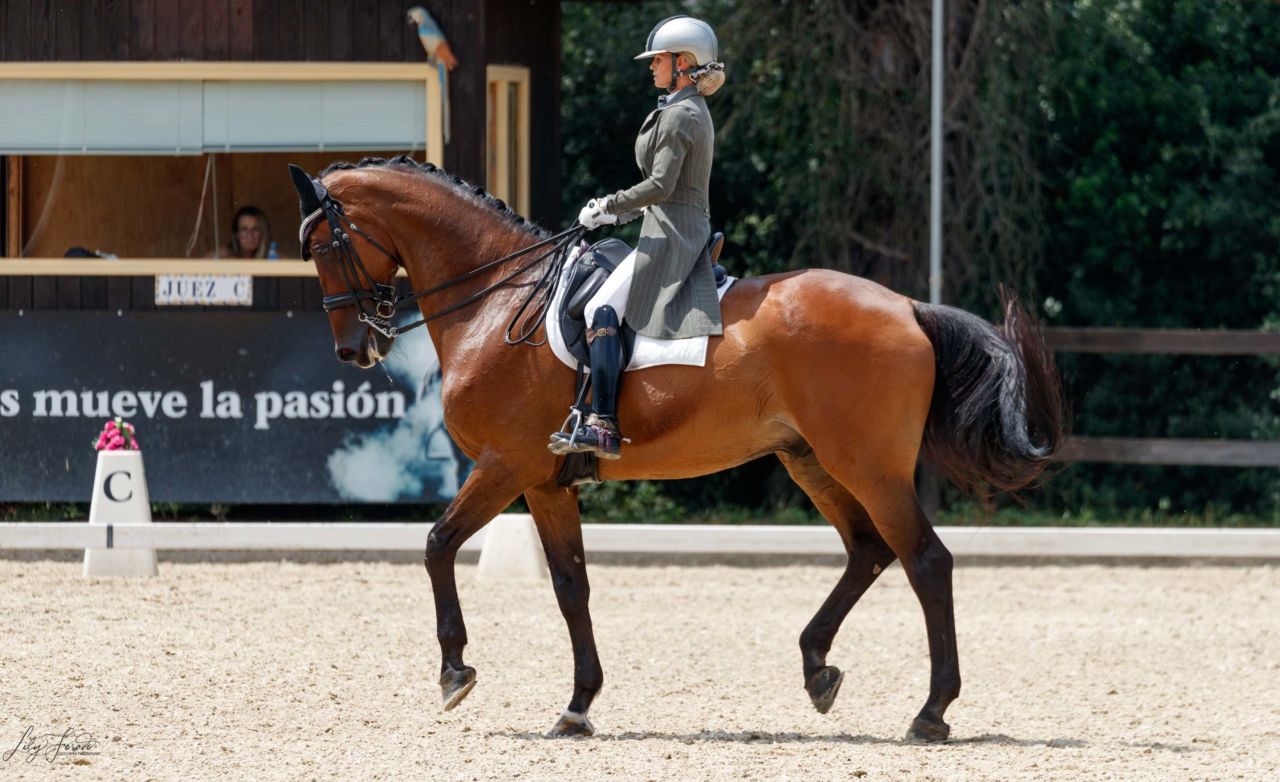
(321, 250)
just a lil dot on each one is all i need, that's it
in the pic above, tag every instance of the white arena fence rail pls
(1126, 542)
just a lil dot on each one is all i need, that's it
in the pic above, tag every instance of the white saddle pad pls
(648, 352)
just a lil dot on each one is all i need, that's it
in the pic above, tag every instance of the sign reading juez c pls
(213, 289)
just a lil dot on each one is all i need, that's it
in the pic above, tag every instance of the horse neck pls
(453, 236)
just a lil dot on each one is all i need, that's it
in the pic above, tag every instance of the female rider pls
(665, 289)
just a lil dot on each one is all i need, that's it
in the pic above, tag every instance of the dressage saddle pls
(584, 277)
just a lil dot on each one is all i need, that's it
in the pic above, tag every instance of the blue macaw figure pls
(438, 54)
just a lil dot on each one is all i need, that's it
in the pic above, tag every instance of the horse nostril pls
(346, 354)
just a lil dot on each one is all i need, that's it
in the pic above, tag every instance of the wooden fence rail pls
(1165, 341)
(1149, 450)
(1160, 450)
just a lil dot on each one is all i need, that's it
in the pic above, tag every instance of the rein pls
(386, 302)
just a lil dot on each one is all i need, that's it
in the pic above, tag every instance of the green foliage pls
(1165, 147)
(44, 511)
(1161, 161)
(637, 502)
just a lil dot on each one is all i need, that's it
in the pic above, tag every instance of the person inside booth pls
(250, 237)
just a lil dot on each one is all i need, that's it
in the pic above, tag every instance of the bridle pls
(363, 290)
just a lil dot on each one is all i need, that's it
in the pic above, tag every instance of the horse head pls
(349, 247)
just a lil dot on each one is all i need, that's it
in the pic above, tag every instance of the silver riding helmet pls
(696, 40)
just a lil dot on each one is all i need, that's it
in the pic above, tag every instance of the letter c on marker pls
(106, 487)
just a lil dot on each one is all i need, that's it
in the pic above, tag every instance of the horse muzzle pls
(367, 349)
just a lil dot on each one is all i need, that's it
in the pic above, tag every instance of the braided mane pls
(456, 183)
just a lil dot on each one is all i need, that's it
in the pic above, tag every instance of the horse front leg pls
(555, 511)
(490, 488)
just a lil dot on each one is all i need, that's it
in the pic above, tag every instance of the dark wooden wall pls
(357, 30)
(524, 32)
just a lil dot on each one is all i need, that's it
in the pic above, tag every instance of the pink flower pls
(116, 435)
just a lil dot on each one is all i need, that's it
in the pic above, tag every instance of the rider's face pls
(660, 67)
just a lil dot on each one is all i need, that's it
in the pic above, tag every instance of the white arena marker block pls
(512, 551)
(120, 497)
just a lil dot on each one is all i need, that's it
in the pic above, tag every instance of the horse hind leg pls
(868, 556)
(895, 510)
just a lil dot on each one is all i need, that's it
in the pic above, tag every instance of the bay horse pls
(844, 380)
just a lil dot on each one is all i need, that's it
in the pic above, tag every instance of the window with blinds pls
(98, 117)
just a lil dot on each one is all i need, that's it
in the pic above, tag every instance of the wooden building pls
(139, 127)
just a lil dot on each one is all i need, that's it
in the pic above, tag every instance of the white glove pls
(593, 215)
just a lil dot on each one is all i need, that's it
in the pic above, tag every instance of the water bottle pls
(273, 252)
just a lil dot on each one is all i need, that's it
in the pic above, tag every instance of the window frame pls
(504, 77)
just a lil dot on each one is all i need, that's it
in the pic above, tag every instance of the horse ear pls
(310, 191)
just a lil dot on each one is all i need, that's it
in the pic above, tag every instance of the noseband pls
(362, 288)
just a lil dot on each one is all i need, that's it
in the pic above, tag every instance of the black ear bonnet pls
(313, 198)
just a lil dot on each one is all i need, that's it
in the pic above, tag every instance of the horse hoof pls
(571, 725)
(928, 730)
(456, 685)
(823, 686)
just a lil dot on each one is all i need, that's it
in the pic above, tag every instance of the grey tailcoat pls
(673, 292)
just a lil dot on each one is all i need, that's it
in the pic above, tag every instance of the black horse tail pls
(997, 415)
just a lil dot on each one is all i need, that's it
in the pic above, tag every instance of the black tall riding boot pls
(599, 433)
(605, 345)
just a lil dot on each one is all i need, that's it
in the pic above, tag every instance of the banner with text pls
(228, 407)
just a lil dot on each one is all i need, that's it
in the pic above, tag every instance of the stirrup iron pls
(572, 426)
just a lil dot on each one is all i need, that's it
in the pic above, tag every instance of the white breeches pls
(614, 292)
